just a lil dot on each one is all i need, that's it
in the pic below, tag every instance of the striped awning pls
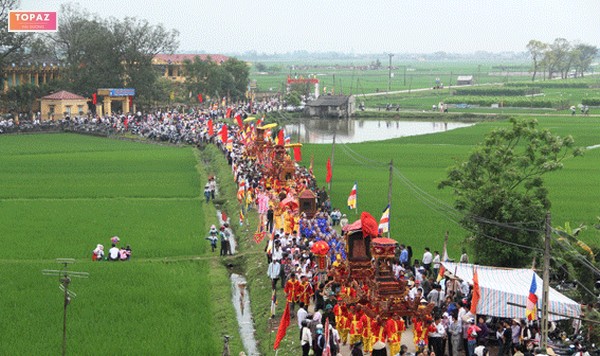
(501, 286)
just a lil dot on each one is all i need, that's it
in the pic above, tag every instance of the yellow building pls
(14, 74)
(172, 65)
(61, 104)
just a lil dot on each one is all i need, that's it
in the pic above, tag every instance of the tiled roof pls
(63, 95)
(179, 58)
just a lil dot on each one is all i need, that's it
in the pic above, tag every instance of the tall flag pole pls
(532, 299)
(330, 163)
(390, 195)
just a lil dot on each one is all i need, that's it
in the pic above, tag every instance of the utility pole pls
(546, 281)
(333, 89)
(65, 280)
(390, 72)
(390, 198)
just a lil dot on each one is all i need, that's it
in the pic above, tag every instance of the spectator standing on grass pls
(464, 258)
(427, 259)
(207, 192)
(212, 237)
(436, 263)
(212, 184)
(274, 272)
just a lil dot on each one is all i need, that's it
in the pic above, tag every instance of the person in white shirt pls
(436, 263)
(113, 253)
(436, 340)
(305, 338)
(301, 314)
(427, 259)
(274, 272)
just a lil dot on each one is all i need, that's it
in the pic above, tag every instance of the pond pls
(354, 131)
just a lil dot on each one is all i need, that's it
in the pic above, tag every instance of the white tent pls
(500, 286)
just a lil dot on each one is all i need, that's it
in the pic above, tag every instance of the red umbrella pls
(320, 248)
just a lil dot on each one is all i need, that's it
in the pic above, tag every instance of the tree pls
(536, 51)
(500, 189)
(12, 44)
(237, 73)
(585, 56)
(557, 57)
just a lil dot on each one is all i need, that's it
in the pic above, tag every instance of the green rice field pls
(61, 195)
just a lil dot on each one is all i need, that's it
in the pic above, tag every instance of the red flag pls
(476, 293)
(283, 325)
(211, 130)
(223, 216)
(224, 134)
(238, 118)
(280, 137)
(328, 177)
(200, 100)
(130, 98)
(228, 113)
(94, 98)
(297, 154)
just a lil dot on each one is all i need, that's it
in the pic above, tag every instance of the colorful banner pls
(32, 21)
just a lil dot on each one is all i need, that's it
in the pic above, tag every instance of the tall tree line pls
(560, 58)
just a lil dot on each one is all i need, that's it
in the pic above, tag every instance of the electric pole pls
(390, 72)
(546, 281)
(65, 279)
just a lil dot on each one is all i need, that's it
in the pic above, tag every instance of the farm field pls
(62, 194)
(419, 213)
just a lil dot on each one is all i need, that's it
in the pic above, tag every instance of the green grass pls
(424, 161)
(63, 194)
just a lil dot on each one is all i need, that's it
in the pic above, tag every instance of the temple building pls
(36, 73)
(172, 65)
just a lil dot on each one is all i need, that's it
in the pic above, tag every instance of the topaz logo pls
(32, 21)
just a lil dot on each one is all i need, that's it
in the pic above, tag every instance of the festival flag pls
(328, 177)
(283, 325)
(384, 222)
(240, 123)
(200, 100)
(327, 350)
(94, 98)
(531, 307)
(281, 137)
(476, 293)
(352, 197)
(211, 129)
(440, 275)
(287, 140)
(241, 217)
(241, 191)
(224, 134)
(310, 166)
(228, 113)
(297, 154)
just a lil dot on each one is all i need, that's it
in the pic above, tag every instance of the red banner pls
(211, 130)
(297, 154)
(200, 100)
(240, 123)
(328, 177)
(283, 325)
(224, 134)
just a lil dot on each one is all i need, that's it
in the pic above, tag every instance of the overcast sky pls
(358, 26)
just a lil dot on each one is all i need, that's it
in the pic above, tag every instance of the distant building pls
(172, 65)
(464, 80)
(31, 72)
(61, 104)
(335, 106)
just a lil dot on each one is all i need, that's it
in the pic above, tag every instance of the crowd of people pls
(115, 253)
(295, 271)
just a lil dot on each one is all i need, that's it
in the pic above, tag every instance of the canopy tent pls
(500, 286)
